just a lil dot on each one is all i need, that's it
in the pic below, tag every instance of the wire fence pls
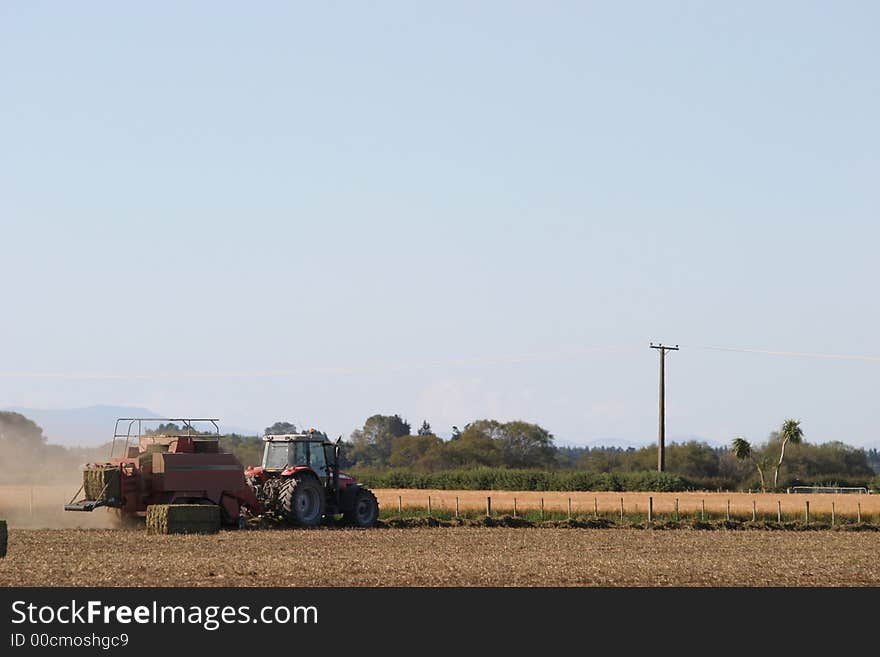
(637, 511)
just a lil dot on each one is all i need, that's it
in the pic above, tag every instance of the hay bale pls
(3, 536)
(101, 482)
(183, 519)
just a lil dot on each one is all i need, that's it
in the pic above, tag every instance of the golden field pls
(42, 506)
(689, 503)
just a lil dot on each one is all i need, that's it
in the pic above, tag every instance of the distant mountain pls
(91, 426)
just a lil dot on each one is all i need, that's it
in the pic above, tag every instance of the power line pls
(796, 354)
(377, 368)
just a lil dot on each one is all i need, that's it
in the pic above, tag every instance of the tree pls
(414, 452)
(742, 449)
(791, 432)
(526, 445)
(471, 448)
(516, 444)
(280, 428)
(425, 429)
(18, 432)
(372, 444)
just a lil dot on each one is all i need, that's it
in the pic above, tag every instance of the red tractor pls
(300, 482)
(171, 466)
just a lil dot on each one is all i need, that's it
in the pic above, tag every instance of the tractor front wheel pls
(302, 501)
(365, 512)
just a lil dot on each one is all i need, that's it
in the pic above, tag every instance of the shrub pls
(531, 480)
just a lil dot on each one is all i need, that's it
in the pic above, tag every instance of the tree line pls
(386, 449)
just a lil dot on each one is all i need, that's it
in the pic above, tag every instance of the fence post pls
(542, 509)
(703, 510)
(596, 507)
(399, 505)
(429, 506)
(807, 511)
(569, 508)
(650, 510)
(859, 512)
(621, 509)
(488, 506)
(832, 514)
(676, 509)
(456, 506)
(514, 507)
(728, 510)
(778, 510)
(754, 511)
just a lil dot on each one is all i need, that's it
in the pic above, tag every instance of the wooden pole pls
(859, 512)
(807, 511)
(703, 510)
(595, 507)
(650, 510)
(832, 514)
(542, 509)
(429, 506)
(514, 507)
(399, 505)
(778, 510)
(661, 429)
(676, 509)
(488, 506)
(569, 508)
(621, 509)
(728, 510)
(754, 511)
(456, 506)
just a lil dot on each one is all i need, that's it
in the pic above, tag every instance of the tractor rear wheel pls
(365, 512)
(302, 501)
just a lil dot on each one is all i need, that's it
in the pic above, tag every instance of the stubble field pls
(443, 556)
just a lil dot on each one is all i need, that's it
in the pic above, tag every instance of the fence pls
(639, 510)
(858, 490)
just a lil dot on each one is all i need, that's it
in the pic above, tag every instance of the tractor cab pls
(286, 453)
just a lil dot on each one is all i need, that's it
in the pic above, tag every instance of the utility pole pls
(661, 437)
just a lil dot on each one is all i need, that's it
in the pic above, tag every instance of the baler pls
(176, 466)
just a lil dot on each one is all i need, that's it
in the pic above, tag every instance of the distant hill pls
(91, 426)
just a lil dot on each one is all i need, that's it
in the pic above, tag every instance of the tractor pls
(299, 481)
(171, 465)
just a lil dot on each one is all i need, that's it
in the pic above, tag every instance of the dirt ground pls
(443, 556)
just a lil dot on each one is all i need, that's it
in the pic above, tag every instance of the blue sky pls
(322, 212)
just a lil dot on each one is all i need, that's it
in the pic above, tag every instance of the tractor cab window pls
(318, 462)
(275, 457)
(299, 453)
